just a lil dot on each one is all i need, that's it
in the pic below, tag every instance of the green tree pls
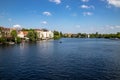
(32, 35)
(14, 35)
(19, 40)
(118, 35)
(96, 35)
(79, 35)
(3, 40)
(61, 34)
(57, 35)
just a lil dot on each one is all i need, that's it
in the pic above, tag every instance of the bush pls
(2, 40)
(19, 40)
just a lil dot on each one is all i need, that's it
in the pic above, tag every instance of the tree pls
(32, 35)
(18, 40)
(57, 35)
(118, 35)
(14, 35)
(2, 40)
(61, 34)
(96, 35)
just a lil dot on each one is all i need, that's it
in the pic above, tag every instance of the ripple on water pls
(74, 59)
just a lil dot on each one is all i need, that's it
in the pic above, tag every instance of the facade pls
(68, 35)
(5, 32)
(22, 34)
(44, 34)
(39, 33)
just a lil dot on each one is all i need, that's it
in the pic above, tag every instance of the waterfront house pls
(5, 32)
(68, 35)
(22, 34)
(44, 34)
(39, 33)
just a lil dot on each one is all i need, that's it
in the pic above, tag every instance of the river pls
(64, 59)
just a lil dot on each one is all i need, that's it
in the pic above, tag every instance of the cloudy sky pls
(70, 16)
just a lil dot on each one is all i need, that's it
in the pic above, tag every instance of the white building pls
(20, 34)
(45, 34)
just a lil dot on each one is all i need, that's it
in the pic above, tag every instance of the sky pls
(68, 16)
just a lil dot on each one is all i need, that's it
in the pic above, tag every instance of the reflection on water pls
(73, 59)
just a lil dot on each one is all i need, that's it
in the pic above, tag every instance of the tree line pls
(93, 35)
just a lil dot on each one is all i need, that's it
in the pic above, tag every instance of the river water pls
(72, 59)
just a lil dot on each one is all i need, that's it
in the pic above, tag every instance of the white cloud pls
(117, 27)
(47, 13)
(87, 13)
(85, 0)
(44, 22)
(17, 26)
(84, 6)
(56, 1)
(115, 3)
(87, 7)
(111, 27)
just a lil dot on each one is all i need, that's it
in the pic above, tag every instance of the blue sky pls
(68, 16)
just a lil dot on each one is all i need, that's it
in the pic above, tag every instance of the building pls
(22, 34)
(5, 32)
(44, 34)
(39, 33)
(68, 35)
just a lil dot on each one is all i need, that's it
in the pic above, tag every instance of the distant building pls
(41, 33)
(74, 35)
(88, 36)
(22, 34)
(5, 32)
(44, 34)
(68, 35)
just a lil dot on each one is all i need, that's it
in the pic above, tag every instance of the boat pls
(11, 43)
(60, 42)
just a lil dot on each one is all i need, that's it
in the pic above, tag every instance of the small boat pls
(11, 43)
(60, 42)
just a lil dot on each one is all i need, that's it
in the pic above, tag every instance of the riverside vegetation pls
(94, 35)
(32, 36)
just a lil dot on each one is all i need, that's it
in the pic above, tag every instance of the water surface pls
(73, 59)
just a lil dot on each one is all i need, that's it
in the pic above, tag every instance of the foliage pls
(57, 35)
(3, 40)
(96, 35)
(32, 35)
(14, 33)
(118, 34)
(61, 34)
(19, 40)
(23, 29)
